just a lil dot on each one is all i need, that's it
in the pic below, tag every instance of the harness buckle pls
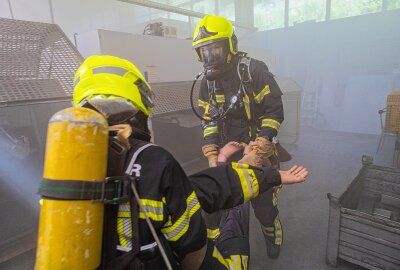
(116, 189)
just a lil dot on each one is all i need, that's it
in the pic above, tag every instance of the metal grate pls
(174, 96)
(37, 62)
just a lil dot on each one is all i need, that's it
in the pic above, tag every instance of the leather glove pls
(210, 151)
(261, 150)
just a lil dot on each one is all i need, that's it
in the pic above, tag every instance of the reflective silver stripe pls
(125, 207)
(249, 182)
(142, 248)
(112, 70)
(180, 227)
(148, 246)
(154, 209)
(124, 249)
(267, 122)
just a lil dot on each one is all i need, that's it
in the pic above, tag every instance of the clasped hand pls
(296, 174)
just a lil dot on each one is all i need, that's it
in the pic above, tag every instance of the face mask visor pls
(214, 54)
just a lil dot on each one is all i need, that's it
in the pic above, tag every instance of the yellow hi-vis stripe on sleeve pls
(124, 230)
(202, 103)
(265, 91)
(278, 231)
(246, 102)
(269, 122)
(209, 131)
(234, 262)
(124, 225)
(213, 233)
(220, 98)
(154, 209)
(248, 180)
(180, 227)
(218, 256)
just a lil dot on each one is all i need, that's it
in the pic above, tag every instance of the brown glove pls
(261, 150)
(210, 151)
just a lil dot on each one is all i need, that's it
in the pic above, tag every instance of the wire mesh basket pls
(37, 62)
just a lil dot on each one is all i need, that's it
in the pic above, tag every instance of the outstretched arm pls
(233, 183)
(294, 175)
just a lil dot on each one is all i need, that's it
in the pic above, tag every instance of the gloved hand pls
(210, 151)
(258, 153)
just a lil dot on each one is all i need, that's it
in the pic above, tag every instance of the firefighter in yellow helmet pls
(169, 201)
(240, 101)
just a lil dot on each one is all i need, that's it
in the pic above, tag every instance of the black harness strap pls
(130, 259)
(111, 190)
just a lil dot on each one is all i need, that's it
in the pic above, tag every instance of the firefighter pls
(168, 229)
(240, 101)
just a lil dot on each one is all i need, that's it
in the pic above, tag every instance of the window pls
(177, 2)
(269, 14)
(180, 17)
(345, 8)
(306, 10)
(393, 4)
(227, 9)
(205, 6)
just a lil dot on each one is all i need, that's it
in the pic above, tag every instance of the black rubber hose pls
(191, 97)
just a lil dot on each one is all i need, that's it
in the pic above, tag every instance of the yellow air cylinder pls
(70, 231)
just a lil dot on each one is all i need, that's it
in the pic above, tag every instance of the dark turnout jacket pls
(173, 201)
(260, 107)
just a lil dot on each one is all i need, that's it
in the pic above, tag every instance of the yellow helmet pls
(214, 28)
(112, 77)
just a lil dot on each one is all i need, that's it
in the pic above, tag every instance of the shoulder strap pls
(137, 146)
(247, 63)
(110, 239)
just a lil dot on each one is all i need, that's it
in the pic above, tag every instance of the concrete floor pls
(333, 160)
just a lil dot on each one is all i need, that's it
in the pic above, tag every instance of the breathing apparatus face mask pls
(215, 58)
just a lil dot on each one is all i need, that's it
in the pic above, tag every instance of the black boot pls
(273, 250)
